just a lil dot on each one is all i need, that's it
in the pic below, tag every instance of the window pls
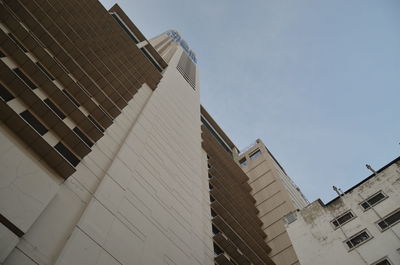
(4, 94)
(67, 154)
(373, 200)
(358, 239)
(215, 230)
(211, 198)
(25, 79)
(342, 219)
(71, 98)
(2, 54)
(35, 123)
(45, 71)
(83, 136)
(389, 220)
(213, 213)
(217, 250)
(243, 162)
(95, 123)
(54, 108)
(384, 261)
(255, 154)
(19, 44)
(210, 186)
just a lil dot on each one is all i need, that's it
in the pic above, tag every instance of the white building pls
(359, 227)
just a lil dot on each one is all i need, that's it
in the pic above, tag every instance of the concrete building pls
(276, 195)
(359, 227)
(104, 158)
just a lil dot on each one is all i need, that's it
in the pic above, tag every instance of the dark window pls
(5, 95)
(344, 218)
(71, 98)
(373, 200)
(209, 176)
(95, 123)
(2, 54)
(24, 78)
(243, 162)
(153, 62)
(211, 198)
(215, 230)
(35, 123)
(83, 136)
(255, 154)
(45, 71)
(217, 249)
(209, 166)
(356, 240)
(390, 220)
(54, 108)
(383, 262)
(213, 213)
(210, 186)
(19, 44)
(67, 154)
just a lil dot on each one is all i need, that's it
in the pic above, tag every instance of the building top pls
(175, 36)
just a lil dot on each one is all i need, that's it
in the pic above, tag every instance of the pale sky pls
(317, 81)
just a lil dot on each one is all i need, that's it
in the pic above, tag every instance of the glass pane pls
(345, 218)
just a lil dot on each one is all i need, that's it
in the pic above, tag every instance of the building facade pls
(360, 227)
(276, 195)
(107, 156)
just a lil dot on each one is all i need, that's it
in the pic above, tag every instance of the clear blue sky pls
(317, 81)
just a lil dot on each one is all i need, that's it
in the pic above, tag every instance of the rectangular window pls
(243, 162)
(45, 71)
(67, 154)
(358, 239)
(373, 200)
(2, 54)
(384, 261)
(255, 154)
(83, 136)
(5, 95)
(95, 123)
(35, 123)
(342, 219)
(25, 79)
(71, 98)
(54, 108)
(389, 220)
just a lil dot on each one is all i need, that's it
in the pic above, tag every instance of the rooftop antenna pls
(338, 191)
(371, 169)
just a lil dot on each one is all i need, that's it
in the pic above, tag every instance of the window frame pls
(257, 151)
(370, 197)
(386, 216)
(382, 259)
(340, 216)
(243, 162)
(356, 235)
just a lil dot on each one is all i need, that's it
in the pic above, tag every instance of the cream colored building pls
(359, 227)
(276, 195)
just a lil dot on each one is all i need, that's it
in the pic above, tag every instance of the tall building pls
(276, 195)
(107, 157)
(361, 226)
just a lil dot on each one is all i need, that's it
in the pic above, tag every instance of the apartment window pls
(83, 136)
(71, 98)
(243, 162)
(373, 200)
(389, 220)
(35, 123)
(358, 239)
(342, 219)
(255, 154)
(211, 198)
(67, 154)
(215, 230)
(25, 79)
(5, 95)
(210, 186)
(384, 261)
(54, 108)
(213, 213)
(95, 123)
(2, 54)
(217, 250)
(19, 44)
(45, 71)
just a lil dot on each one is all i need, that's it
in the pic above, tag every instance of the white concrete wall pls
(140, 197)
(316, 241)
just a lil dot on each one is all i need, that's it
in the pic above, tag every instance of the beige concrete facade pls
(276, 195)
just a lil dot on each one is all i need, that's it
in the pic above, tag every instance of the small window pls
(389, 220)
(243, 162)
(215, 230)
(25, 79)
(5, 95)
(35, 123)
(342, 219)
(358, 239)
(83, 136)
(2, 54)
(95, 123)
(373, 200)
(217, 250)
(211, 198)
(384, 261)
(54, 108)
(71, 98)
(67, 154)
(213, 213)
(45, 71)
(210, 186)
(255, 154)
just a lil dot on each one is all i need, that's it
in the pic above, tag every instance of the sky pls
(317, 81)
